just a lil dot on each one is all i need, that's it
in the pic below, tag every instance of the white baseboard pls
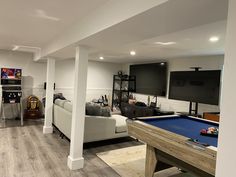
(75, 164)
(47, 130)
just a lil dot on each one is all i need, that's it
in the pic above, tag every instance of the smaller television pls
(195, 86)
(11, 76)
(11, 73)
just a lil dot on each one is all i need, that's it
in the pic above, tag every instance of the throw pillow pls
(105, 111)
(58, 96)
(139, 103)
(92, 109)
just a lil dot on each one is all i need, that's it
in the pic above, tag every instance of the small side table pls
(214, 116)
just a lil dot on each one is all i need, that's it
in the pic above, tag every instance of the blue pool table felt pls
(185, 126)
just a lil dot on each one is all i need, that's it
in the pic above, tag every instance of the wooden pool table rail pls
(171, 147)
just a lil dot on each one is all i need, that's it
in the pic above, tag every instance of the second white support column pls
(75, 159)
(47, 128)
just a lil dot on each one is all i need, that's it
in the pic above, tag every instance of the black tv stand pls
(191, 110)
(196, 68)
(194, 111)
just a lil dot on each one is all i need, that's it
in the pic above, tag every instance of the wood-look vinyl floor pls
(27, 152)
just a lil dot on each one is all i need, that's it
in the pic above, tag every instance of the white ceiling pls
(189, 23)
(189, 42)
(35, 22)
(178, 21)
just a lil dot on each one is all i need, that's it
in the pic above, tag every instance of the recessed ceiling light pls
(101, 58)
(42, 14)
(132, 53)
(162, 63)
(16, 47)
(214, 39)
(165, 43)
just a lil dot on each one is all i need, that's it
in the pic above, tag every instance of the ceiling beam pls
(111, 13)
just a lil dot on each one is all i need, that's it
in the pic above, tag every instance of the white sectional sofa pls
(96, 127)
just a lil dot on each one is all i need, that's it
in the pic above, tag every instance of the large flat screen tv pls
(195, 86)
(151, 79)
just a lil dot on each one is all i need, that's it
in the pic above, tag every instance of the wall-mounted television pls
(151, 79)
(11, 76)
(195, 86)
(11, 73)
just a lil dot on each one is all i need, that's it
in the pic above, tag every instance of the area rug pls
(130, 162)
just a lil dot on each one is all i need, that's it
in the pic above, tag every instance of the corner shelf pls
(123, 85)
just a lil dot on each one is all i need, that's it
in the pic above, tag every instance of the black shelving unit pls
(123, 85)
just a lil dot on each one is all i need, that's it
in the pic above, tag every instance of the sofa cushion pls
(60, 102)
(121, 125)
(133, 111)
(68, 106)
(105, 111)
(94, 109)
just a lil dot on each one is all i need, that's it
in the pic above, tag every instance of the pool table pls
(167, 139)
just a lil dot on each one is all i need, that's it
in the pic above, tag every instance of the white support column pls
(47, 128)
(75, 159)
(226, 153)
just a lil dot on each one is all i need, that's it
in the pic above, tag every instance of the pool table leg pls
(151, 161)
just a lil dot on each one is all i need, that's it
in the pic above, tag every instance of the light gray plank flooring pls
(26, 152)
